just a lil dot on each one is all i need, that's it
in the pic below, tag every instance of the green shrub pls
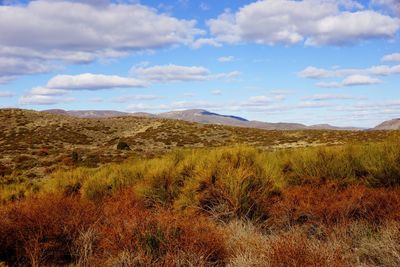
(75, 157)
(123, 146)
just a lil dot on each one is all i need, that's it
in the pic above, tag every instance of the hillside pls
(35, 143)
(389, 125)
(233, 196)
(201, 116)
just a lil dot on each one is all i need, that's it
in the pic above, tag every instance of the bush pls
(158, 237)
(123, 146)
(333, 205)
(41, 231)
(228, 183)
(75, 157)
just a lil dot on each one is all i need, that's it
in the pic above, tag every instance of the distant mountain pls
(389, 125)
(204, 116)
(330, 127)
(96, 113)
(200, 116)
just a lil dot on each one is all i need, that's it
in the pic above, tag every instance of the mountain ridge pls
(393, 124)
(201, 116)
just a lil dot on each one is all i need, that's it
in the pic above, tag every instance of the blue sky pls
(309, 61)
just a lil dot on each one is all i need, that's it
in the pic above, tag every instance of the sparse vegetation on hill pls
(34, 144)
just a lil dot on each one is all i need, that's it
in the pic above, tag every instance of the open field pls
(252, 198)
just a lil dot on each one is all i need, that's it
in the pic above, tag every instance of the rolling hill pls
(201, 116)
(389, 125)
(35, 143)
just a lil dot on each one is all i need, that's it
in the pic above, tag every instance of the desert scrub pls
(18, 188)
(227, 183)
(373, 164)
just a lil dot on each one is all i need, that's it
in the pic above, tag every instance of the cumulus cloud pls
(89, 81)
(355, 80)
(351, 27)
(315, 22)
(10, 68)
(175, 73)
(80, 32)
(351, 76)
(62, 84)
(392, 57)
(205, 42)
(384, 70)
(352, 80)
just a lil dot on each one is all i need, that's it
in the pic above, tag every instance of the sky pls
(304, 61)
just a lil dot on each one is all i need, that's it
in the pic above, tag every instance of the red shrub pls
(295, 250)
(42, 230)
(331, 204)
(157, 237)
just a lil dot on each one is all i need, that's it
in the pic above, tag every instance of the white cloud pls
(352, 80)
(175, 73)
(146, 107)
(62, 84)
(10, 67)
(40, 90)
(329, 84)
(226, 59)
(179, 105)
(392, 57)
(351, 27)
(327, 97)
(205, 42)
(316, 22)
(43, 100)
(89, 81)
(80, 32)
(355, 80)
(229, 76)
(172, 73)
(319, 73)
(384, 70)
(393, 5)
